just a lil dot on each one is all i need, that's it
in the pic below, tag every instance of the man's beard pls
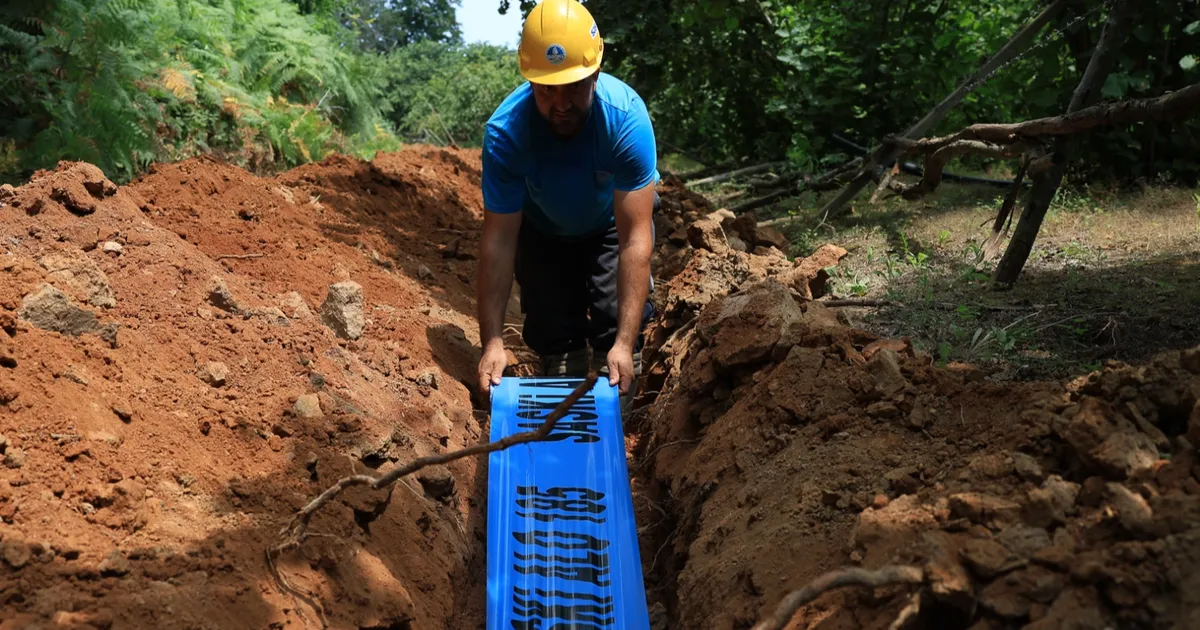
(568, 125)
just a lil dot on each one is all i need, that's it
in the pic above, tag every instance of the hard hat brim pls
(561, 77)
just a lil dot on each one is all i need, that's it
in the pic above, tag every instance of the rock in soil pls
(342, 310)
(82, 277)
(884, 367)
(49, 309)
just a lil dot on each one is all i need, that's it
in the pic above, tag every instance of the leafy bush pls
(122, 83)
(444, 93)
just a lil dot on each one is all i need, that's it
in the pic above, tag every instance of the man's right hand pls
(492, 364)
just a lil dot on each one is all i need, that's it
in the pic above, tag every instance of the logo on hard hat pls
(556, 54)
(595, 30)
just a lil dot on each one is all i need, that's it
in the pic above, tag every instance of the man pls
(569, 169)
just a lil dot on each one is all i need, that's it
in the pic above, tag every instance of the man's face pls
(565, 107)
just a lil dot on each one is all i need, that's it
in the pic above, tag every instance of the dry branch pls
(237, 256)
(749, 170)
(1004, 217)
(794, 184)
(293, 533)
(886, 576)
(936, 163)
(1178, 104)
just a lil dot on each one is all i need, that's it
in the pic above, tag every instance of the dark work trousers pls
(568, 289)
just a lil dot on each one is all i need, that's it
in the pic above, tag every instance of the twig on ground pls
(887, 576)
(237, 256)
(884, 183)
(293, 533)
(296, 594)
(861, 303)
(907, 613)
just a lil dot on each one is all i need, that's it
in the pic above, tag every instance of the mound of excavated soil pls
(778, 444)
(190, 358)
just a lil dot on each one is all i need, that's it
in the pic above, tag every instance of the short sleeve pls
(635, 153)
(503, 189)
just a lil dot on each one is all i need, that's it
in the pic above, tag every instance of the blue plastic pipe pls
(562, 538)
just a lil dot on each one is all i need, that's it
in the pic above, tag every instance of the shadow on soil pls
(420, 215)
(1057, 322)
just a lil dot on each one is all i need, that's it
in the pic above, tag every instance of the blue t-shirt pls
(565, 188)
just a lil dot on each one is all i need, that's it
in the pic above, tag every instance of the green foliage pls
(731, 80)
(124, 83)
(385, 25)
(444, 93)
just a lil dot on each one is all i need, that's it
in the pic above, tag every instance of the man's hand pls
(492, 364)
(497, 252)
(620, 366)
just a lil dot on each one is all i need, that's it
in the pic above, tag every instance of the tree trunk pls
(1046, 184)
(884, 156)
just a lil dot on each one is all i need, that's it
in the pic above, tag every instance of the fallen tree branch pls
(936, 163)
(887, 576)
(795, 184)
(238, 256)
(724, 177)
(293, 533)
(1179, 104)
(913, 169)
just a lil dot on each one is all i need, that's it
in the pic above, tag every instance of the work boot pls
(572, 364)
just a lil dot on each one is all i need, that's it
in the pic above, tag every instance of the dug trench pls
(188, 359)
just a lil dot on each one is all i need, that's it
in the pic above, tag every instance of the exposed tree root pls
(886, 576)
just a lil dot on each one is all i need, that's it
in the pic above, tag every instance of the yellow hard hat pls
(560, 43)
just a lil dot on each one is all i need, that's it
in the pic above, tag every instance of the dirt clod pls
(988, 558)
(14, 457)
(983, 509)
(220, 296)
(294, 306)
(213, 373)
(115, 564)
(16, 552)
(307, 406)
(708, 235)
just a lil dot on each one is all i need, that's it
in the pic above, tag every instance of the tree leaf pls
(1188, 62)
(1193, 28)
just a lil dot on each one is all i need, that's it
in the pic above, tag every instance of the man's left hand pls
(620, 367)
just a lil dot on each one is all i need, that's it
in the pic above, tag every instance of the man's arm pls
(635, 234)
(494, 279)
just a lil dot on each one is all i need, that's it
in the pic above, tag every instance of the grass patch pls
(1113, 275)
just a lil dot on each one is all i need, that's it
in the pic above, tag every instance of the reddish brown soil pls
(141, 484)
(161, 520)
(783, 444)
